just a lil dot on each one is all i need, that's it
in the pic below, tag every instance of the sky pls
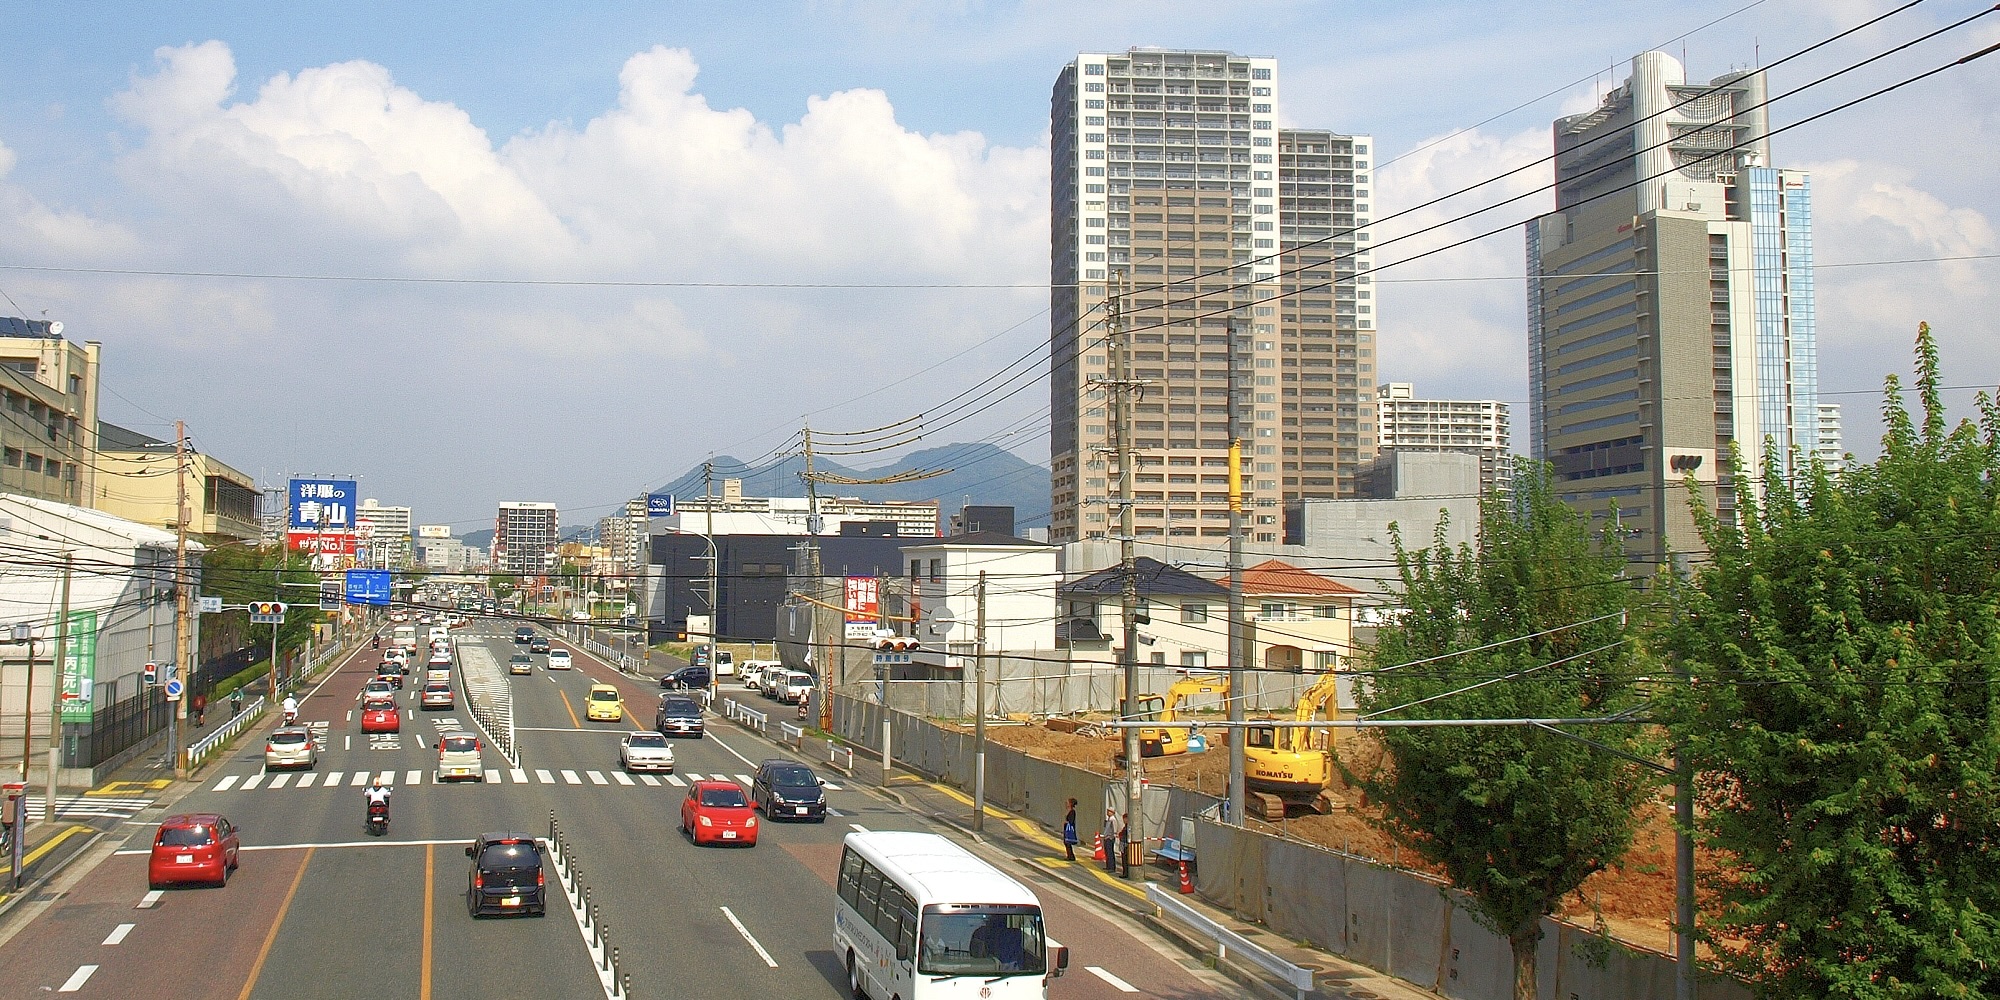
(508, 251)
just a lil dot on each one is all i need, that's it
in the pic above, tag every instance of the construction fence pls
(1368, 911)
(1030, 685)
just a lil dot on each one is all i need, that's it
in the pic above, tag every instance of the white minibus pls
(920, 917)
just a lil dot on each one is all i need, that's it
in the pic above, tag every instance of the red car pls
(716, 812)
(381, 717)
(195, 847)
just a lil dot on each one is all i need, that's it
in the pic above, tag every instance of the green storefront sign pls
(79, 669)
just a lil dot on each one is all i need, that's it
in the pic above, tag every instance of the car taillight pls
(270, 748)
(479, 880)
(540, 879)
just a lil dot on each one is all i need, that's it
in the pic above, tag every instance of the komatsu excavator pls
(1289, 767)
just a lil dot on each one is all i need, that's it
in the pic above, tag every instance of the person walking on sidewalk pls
(200, 707)
(1111, 840)
(1069, 831)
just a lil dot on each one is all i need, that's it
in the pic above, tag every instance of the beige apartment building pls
(1176, 198)
(136, 481)
(48, 417)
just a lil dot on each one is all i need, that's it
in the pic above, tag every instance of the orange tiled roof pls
(1273, 576)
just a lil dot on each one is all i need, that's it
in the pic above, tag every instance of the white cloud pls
(57, 235)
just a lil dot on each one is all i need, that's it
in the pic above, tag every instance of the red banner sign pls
(338, 543)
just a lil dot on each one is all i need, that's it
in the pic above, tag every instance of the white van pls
(753, 671)
(796, 686)
(725, 664)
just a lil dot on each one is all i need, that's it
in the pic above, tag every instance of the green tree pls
(1530, 623)
(241, 573)
(1844, 719)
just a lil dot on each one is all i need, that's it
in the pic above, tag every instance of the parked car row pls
(773, 681)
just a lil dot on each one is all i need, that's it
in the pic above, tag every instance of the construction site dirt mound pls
(1635, 897)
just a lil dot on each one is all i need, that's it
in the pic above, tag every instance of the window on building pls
(1194, 612)
(937, 571)
(1193, 659)
(1159, 658)
(1325, 660)
(916, 568)
(13, 457)
(1327, 611)
(34, 462)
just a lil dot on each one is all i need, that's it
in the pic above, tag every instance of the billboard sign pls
(433, 531)
(79, 667)
(863, 604)
(659, 505)
(322, 503)
(334, 543)
(368, 586)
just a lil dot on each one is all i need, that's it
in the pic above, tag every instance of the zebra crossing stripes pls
(86, 806)
(607, 778)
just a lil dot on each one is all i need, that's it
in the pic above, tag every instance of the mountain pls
(980, 474)
(480, 539)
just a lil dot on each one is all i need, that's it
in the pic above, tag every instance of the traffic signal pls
(896, 644)
(267, 608)
(152, 674)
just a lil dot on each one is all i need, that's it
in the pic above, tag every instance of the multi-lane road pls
(320, 909)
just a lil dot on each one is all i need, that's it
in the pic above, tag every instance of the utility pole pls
(822, 636)
(56, 690)
(1684, 956)
(183, 661)
(714, 595)
(979, 714)
(1237, 653)
(1122, 388)
(27, 700)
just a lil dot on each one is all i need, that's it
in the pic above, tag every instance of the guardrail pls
(795, 735)
(491, 701)
(1300, 979)
(748, 718)
(616, 981)
(835, 751)
(208, 744)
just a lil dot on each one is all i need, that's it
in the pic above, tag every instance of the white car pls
(559, 659)
(645, 751)
(290, 746)
(458, 756)
(752, 669)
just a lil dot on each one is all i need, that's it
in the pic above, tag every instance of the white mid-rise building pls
(1467, 426)
(389, 542)
(524, 538)
(1831, 449)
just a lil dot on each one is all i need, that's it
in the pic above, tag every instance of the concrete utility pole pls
(1237, 652)
(27, 699)
(714, 594)
(56, 691)
(1122, 388)
(183, 660)
(979, 713)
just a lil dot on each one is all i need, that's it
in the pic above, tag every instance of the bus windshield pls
(990, 941)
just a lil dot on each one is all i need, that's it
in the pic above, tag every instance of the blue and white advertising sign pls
(323, 504)
(368, 586)
(659, 505)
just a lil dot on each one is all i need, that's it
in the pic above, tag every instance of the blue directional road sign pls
(368, 586)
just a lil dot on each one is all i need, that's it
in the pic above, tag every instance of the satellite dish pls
(55, 328)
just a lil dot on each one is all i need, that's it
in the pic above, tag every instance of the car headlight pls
(705, 821)
(752, 821)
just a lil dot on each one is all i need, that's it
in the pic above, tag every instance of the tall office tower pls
(524, 538)
(1466, 426)
(1166, 196)
(1670, 304)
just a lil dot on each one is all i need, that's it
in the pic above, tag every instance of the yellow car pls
(603, 704)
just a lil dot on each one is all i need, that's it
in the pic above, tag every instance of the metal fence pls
(210, 743)
(115, 728)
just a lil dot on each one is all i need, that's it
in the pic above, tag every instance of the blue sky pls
(751, 144)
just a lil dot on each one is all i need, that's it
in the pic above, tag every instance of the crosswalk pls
(287, 780)
(87, 806)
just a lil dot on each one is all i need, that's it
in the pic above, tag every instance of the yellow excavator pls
(1286, 767)
(1164, 741)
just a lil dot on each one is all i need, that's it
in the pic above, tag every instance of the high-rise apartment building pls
(1670, 303)
(1829, 447)
(1175, 196)
(524, 538)
(1466, 426)
(389, 533)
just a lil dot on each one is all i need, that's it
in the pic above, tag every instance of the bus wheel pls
(854, 986)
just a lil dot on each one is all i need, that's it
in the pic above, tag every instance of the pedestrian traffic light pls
(152, 674)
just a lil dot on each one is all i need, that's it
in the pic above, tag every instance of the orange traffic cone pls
(1187, 886)
(1097, 849)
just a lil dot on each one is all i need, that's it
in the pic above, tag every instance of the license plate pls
(511, 901)
(729, 834)
(802, 810)
(183, 859)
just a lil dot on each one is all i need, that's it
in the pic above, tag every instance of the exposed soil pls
(1636, 896)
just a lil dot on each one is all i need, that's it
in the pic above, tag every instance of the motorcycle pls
(291, 717)
(378, 818)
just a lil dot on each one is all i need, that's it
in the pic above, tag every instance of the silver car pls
(644, 751)
(290, 746)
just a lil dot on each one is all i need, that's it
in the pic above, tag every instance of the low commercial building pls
(135, 480)
(48, 412)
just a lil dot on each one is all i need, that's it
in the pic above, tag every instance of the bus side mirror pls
(1061, 962)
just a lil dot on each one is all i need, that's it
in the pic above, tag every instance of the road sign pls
(330, 596)
(267, 613)
(368, 586)
(659, 505)
(211, 605)
(174, 689)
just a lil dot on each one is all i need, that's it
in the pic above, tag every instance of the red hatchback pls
(716, 812)
(196, 847)
(381, 717)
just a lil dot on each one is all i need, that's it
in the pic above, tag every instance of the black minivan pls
(678, 715)
(506, 875)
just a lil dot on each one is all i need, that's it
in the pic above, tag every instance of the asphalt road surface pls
(321, 909)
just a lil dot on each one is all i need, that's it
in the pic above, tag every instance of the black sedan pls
(539, 644)
(788, 790)
(686, 679)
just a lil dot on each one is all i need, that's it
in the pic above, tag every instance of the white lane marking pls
(745, 931)
(151, 899)
(387, 777)
(253, 781)
(520, 776)
(694, 776)
(745, 779)
(830, 786)
(492, 775)
(717, 740)
(76, 979)
(596, 778)
(278, 780)
(620, 777)
(545, 777)
(571, 778)
(117, 935)
(361, 777)
(858, 828)
(1116, 983)
(413, 777)
(225, 784)
(831, 811)
(649, 781)
(332, 779)
(350, 715)
(327, 845)
(306, 780)
(675, 780)
(347, 742)
(420, 741)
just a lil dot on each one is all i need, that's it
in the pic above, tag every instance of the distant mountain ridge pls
(980, 474)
